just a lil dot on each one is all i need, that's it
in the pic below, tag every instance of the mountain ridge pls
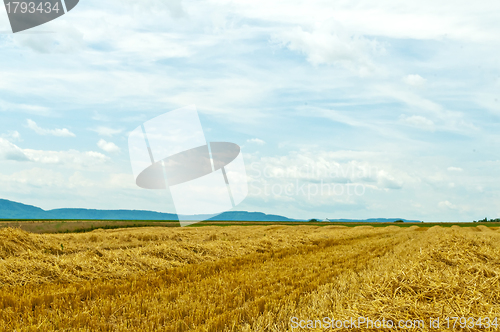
(15, 210)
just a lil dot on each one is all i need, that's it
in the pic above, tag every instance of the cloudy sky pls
(343, 109)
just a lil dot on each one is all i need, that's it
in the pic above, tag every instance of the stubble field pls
(247, 278)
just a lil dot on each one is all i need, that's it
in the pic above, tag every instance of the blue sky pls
(393, 106)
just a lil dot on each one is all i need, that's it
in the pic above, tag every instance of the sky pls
(342, 109)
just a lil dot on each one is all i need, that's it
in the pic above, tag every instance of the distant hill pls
(14, 210)
(249, 216)
(108, 214)
(372, 220)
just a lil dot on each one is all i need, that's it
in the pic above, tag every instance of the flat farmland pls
(81, 226)
(248, 278)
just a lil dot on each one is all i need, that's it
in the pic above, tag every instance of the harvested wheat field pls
(253, 278)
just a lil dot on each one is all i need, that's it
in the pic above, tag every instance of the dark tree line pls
(486, 220)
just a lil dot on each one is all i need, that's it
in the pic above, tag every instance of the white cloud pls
(463, 20)
(37, 177)
(54, 132)
(68, 39)
(331, 44)
(122, 181)
(454, 169)
(444, 119)
(418, 121)
(13, 135)
(335, 182)
(72, 158)
(156, 45)
(43, 177)
(329, 167)
(256, 141)
(106, 131)
(342, 117)
(108, 146)
(447, 204)
(387, 181)
(26, 108)
(9, 151)
(414, 80)
(99, 117)
(412, 99)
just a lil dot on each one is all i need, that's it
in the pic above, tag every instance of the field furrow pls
(250, 278)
